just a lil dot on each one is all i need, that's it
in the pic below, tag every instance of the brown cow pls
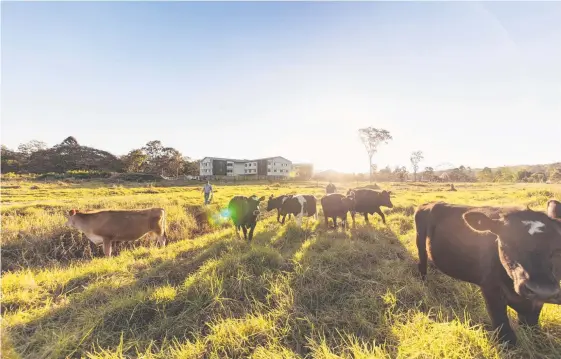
(554, 208)
(337, 205)
(119, 225)
(507, 252)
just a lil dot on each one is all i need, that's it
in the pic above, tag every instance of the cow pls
(507, 252)
(276, 203)
(244, 212)
(554, 208)
(337, 205)
(368, 201)
(299, 205)
(108, 226)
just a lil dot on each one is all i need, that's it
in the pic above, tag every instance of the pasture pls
(291, 293)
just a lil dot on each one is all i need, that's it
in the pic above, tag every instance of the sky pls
(473, 84)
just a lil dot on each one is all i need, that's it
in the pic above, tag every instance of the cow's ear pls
(479, 222)
(553, 209)
(262, 198)
(72, 212)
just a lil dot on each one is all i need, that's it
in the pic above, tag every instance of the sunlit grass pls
(291, 293)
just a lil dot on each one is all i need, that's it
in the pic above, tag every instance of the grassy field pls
(291, 293)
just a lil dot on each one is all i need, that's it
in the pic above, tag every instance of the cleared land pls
(291, 293)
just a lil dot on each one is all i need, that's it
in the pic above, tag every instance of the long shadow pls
(165, 298)
(353, 282)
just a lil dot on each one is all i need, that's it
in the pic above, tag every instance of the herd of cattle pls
(510, 253)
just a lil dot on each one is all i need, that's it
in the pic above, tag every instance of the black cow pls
(368, 201)
(507, 252)
(337, 205)
(244, 212)
(299, 205)
(276, 203)
(554, 208)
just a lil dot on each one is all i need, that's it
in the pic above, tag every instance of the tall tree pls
(134, 161)
(416, 158)
(32, 146)
(372, 138)
(429, 173)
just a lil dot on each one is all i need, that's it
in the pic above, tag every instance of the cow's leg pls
(422, 249)
(496, 307)
(353, 218)
(107, 247)
(237, 228)
(251, 229)
(283, 218)
(379, 211)
(365, 214)
(161, 240)
(278, 215)
(343, 222)
(528, 313)
(334, 221)
(299, 219)
(93, 248)
(326, 220)
(244, 232)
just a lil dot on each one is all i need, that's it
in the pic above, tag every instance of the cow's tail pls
(164, 236)
(421, 226)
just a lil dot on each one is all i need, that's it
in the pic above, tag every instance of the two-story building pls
(270, 167)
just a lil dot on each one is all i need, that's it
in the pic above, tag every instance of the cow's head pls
(253, 205)
(349, 201)
(554, 208)
(528, 243)
(71, 217)
(274, 202)
(385, 199)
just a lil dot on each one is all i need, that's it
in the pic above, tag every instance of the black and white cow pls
(276, 203)
(244, 212)
(368, 201)
(300, 205)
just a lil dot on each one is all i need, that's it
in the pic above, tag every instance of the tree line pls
(153, 158)
(373, 138)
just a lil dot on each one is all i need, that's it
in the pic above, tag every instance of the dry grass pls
(292, 293)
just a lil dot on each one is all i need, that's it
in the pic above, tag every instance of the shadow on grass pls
(289, 286)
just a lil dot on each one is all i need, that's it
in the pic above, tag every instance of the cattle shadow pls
(163, 299)
(349, 282)
(340, 286)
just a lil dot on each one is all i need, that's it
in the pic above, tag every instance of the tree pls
(400, 173)
(12, 161)
(32, 146)
(555, 175)
(538, 177)
(416, 158)
(429, 173)
(486, 175)
(372, 138)
(134, 161)
(523, 175)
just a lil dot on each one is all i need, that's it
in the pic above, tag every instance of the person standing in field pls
(330, 188)
(207, 189)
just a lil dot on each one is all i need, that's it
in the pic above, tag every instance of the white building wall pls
(279, 167)
(276, 166)
(239, 168)
(206, 167)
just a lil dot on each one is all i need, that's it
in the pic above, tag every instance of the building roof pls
(244, 160)
(225, 159)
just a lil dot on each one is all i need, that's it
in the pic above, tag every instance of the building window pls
(275, 170)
